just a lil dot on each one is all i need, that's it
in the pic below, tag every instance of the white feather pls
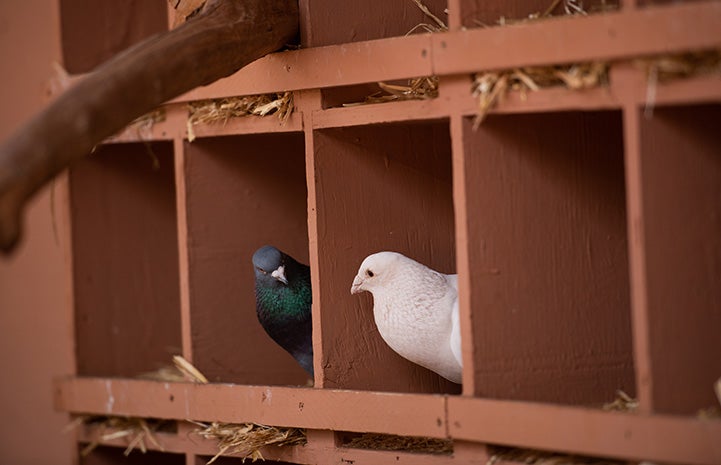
(415, 309)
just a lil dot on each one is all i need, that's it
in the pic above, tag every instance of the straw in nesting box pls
(535, 457)
(677, 66)
(221, 110)
(420, 88)
(136, 431)
(244, 439)
(143, 125)
(401, 443)
(490, 87)
(181, 371)
(247, 439)
(622, 403)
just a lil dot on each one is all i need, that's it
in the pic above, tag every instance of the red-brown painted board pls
(565, 40)
(627, 34)
(114, 456)
(681, 194)
(357, 411)
(394, 112)
(336, 65)
(547, 248)
(243, 192)
(95, 30)
(484, 13)
(360, 21)
(192, 443)
(125, 261)
(656, 438)
(384, 187)
(249, 125)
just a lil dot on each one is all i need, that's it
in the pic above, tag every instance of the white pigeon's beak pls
(356, 287)
(279, 274)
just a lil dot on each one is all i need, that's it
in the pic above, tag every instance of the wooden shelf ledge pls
(411, 415)
(577, 430)
(313, 452)
(612, 36)
(694, 90)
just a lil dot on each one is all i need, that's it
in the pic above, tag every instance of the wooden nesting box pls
(583, 224)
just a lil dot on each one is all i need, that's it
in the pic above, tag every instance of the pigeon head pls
(269, 264)
(376, 270)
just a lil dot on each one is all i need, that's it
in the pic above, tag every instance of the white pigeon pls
(415, 309)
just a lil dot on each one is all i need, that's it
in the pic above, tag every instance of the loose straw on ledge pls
(244, 439)
(420, 88)
(221, 110)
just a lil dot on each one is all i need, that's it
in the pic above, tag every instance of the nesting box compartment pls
(379, 187)
(243, 192)
(125, 259)
(549, 257)
(681, 195)
(583, 226)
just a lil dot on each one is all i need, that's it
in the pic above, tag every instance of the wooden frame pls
(664, 429)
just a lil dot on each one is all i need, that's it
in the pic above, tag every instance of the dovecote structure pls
(584, 226)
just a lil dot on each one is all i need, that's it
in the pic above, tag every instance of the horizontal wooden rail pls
(609, 37)
(577, 430)
(412, 415)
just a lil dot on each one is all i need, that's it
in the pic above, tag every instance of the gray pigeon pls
(283, 302)
(415, 309)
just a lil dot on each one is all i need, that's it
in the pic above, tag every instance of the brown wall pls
(35, 342)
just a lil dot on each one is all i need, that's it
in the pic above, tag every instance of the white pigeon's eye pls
(369, 273)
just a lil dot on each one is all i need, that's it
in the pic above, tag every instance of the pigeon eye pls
(261, 270)
(370, 273)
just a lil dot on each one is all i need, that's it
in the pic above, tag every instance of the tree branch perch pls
(224, 37)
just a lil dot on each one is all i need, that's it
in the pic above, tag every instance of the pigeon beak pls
(356, 287)
(279, 274)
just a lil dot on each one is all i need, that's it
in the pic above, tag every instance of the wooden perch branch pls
(224, 37)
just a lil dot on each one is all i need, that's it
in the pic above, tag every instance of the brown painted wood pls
(547, 247)
(618, 36)
(636, 437)
(113, 456)
(385, 187)
(484, 13)
(411, 414)
(662, 438)
(609, 36)
(95, 30)
(681, 195)
(356, 21)
(310, 453)
(237, 32)
(243, 192)
(125, 260)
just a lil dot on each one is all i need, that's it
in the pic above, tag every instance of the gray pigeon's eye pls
(370, 273)
(261, 270)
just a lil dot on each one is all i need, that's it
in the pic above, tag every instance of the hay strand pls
(622, 403)
(419, 88)
(221, 110)
(189, 370)
(665, 68)
(181, 371)
(137, 431)
(490, 87)
(246, 440)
